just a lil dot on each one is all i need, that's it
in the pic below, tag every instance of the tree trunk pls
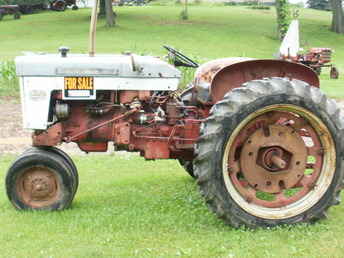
(283, 17)
(101, 8)
(110, 17)
(337, 16)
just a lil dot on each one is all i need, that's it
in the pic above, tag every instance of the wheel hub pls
(273, 158)
(41, 186)
(37, 187)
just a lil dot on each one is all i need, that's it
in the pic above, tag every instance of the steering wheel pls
(180, 59)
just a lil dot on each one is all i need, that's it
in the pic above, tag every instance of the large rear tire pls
(188, 167)
(271, 153)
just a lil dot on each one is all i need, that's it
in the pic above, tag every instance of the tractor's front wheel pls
(65, 158)
(271, 153)
(40, 180)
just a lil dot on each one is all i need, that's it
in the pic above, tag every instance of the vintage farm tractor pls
(61, 5)
(318, 58)
(315, 57)
(263, 142)
(10, 10)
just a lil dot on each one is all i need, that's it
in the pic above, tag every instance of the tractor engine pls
(156, 123)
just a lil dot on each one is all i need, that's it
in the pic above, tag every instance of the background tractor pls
(315, 57)
(262, 141)
(61, 5)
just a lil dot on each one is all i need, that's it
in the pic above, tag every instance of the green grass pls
(131, 208)
(211, 32)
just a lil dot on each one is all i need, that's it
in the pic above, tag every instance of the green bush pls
(245, 3)
(7, 70)
(8, 79)
(260, 7)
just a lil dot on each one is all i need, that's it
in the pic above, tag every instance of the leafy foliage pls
(7, 70)
(319, 4)
(283, 17)
(8, 79)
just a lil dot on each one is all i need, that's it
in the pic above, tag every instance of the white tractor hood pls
(125, 66)
(40, 75)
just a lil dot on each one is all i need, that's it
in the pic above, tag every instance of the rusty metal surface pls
(37, 187)
(155, 137)
(214, 79)
(334, 73)
(283, 147)
(51, 137)
(237, 74)
(93, 146)
(207, 71)
(275, 152)
(315, 58)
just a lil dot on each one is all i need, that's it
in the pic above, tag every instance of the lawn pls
(126, 207)
(212, 32)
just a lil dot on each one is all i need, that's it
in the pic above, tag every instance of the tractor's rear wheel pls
(271, 153)
(188, 166)
(40, 180)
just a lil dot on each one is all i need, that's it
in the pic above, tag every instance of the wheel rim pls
(38, 187)
(274, 164)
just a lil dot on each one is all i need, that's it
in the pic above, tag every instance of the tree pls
(110, 16)
(319, 4)
(105, 10)
(337, 16)
(184, 14)
(283, 17)
(101, 8)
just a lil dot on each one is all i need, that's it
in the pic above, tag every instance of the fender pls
(213, 87)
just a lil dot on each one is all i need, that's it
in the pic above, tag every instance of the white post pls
(93, 29)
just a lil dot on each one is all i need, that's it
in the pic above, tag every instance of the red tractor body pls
(173, 128)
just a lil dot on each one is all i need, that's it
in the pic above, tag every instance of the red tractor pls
(315, 58)
(263, 142)
(61, 5)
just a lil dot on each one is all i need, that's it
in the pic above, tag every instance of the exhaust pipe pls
(93, 29)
